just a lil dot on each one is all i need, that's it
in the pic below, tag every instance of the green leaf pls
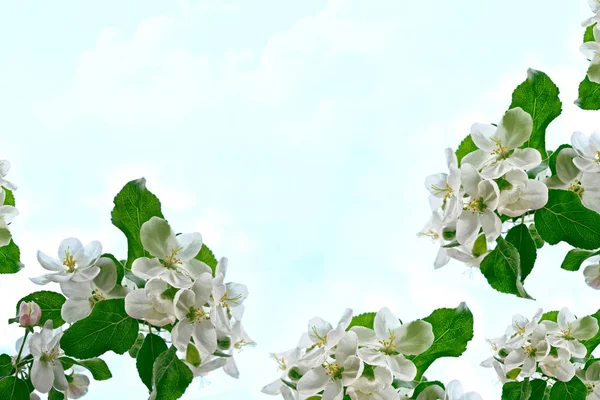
(466, 146)
(207, 257)
(135, 349)
(134, 205)
(516, 390)
(367, 320)
(10, 259)
(588, 36)
(171, 376)
(153, 346)
(576, 257)
(538, 96)
(564, 218)
(572, 390)
(550, 316)
(6, 366)
(108, 327)
(480, 246)
(452, 330)
(538, 389)
(9, 200)
(502, 269)
(50, 303)
(96, 366)
(12, 388)
(554, 157)
(592, 343)
(520, 237)
(589, 95)
(55, 395)
(539, 242)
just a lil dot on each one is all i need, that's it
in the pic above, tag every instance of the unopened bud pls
(29, 313)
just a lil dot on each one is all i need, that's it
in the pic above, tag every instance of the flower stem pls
(22, 346)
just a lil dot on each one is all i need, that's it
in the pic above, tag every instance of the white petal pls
(492, 225)
(313, 381)
(75, 309)
(414, 338)
(49, 263)
(482, 135)
(467, 227)
(516, 126)
(190, 244)
(88, 255)
(401, 367)
(205, 337)
(385, 323)
(525, 158)
(42, 376)
(71, 246)
(147, 268)
(158, 238)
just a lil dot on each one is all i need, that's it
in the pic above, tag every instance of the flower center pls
(49, 356)
(387, 346)
(243, 343)
(322, 339)
(333, 370)
(529, 350)
(500, 150)
(280, 361)
(171, 260)
(430, 233)
(197, 315)
(476, 205)
(447, 191)
(590, 386)
(576, 187)
(519, 330)
(97, 296)
(566, 334)
(70, 262)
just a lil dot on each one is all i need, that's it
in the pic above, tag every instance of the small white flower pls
(227, 298)
(207, 365)
(522, 194)
(336, 373)
(238, 341)
(521, 328)
(151, 303)
(375, 386)
(526, 357)
(568, 331)
(286, 361)
(558, 366)
(174, 262)
(466, 254)
(321, 338)
(499, 150)
(82, 297)
(436, 230)
(592, 273)
(591, 378)
(387, 344)
(78, 386)
(445, 189)
(479, 212)
(75, 262)
(47, 370)
(588, 151)
(194, 317)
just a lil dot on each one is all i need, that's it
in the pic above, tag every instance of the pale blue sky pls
(294, 136)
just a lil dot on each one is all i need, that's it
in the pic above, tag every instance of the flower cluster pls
(491, 183)
(360, 362)
(201, 311)
(542, 347)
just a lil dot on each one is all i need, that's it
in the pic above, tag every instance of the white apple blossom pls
(321, 338)
(75, 262)
(377, 385)
(437, 231)
(454, 391)
(445, 189)
(227, 298)
(207, 365)
(467, 254)
(47, 370)
(236, 343)
(526, 357)
(592, 273)
(568, 331)
(78, 386)
(479, 212)
(521, 194)
(336, 373)
(595, 7)
(499, 147)
(82, 296)
(588, 151)
(151, 303)
(194, 319)
(558, 365)
(591, 378)
(522, 328)
(387, 344)
(285, 363)
(174, 262)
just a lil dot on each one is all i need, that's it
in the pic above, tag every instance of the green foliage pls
(134, 205)
(576, 257)
(10, 259)
(538, 389)
(55, 395)
(452, 330)
(592, 343)
(572, 390)
(480, 246)
(502, 269)
(564, 218)
(539, 242)
(367, 320)
(108, 327)
(153, 346)
(516, 390)
(12, 388)
(135, 349)
(554, 157)
(9, 200)
(96, 366)
(588, 36)
(171, 376)
(550, 316)
(50, 303)
(6, 366)
(589, 95)
(466, 146)
(538, 96)
(207, 257)
(520, 237)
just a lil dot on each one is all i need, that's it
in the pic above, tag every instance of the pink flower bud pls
(29, 313)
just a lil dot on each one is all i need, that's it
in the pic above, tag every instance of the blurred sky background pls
(295, 136)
